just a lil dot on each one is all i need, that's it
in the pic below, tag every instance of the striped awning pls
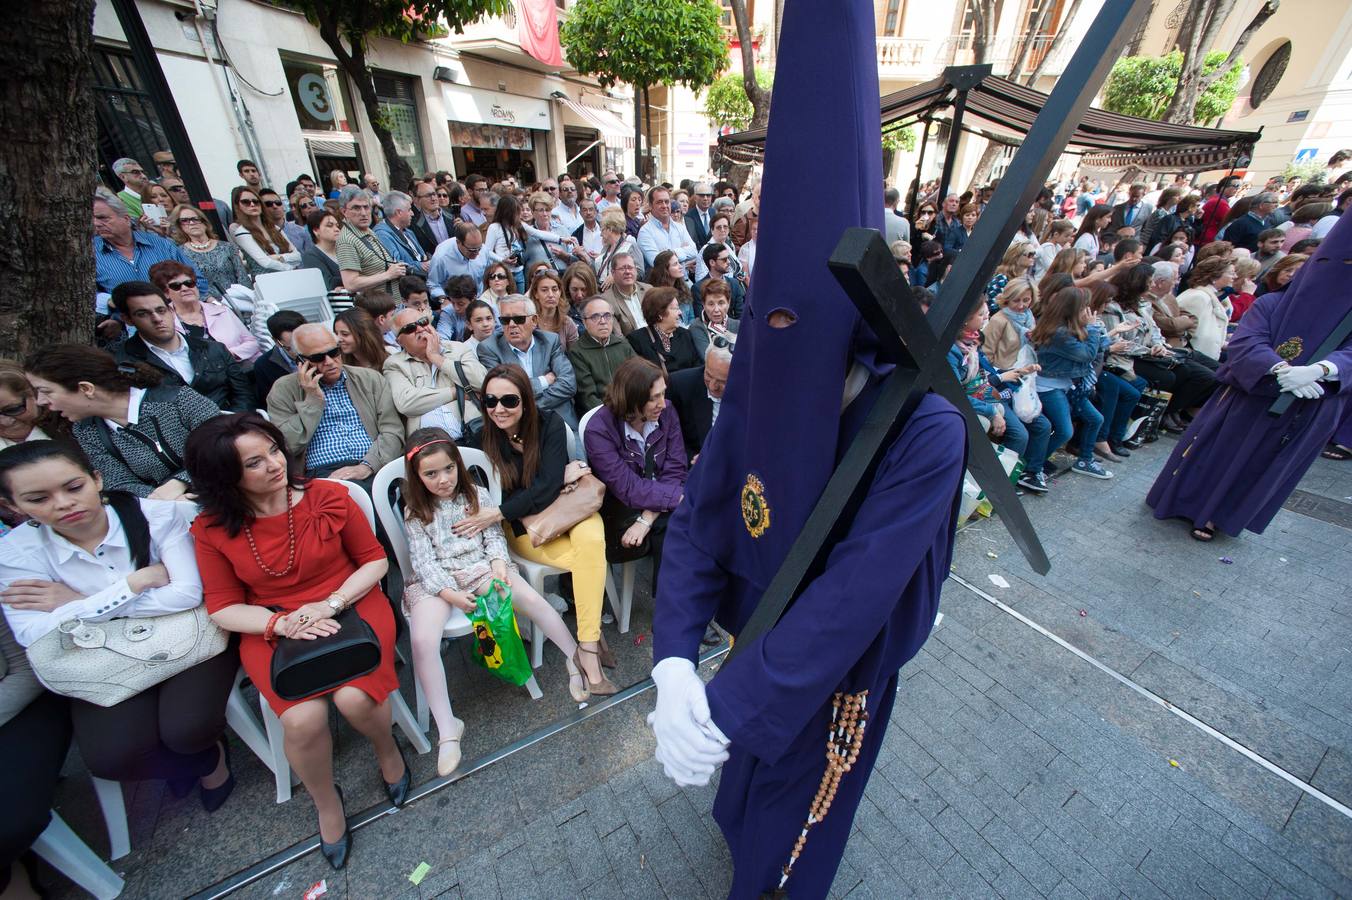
(613, 131)
(1105, 140)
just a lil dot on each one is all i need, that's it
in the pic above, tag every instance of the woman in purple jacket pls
(634, 446)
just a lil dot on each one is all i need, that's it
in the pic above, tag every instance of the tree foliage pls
(726, 103)
(347, 27)
(647, 42)
(899, 138)
(1144, 86)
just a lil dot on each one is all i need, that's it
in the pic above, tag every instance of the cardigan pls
(1213, 315)
(442, 559)
(166, 415)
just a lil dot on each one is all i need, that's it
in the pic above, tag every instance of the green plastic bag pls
(497, 640)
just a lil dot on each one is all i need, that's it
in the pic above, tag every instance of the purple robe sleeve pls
(1249, 356)
(765, 697)
(679, 626)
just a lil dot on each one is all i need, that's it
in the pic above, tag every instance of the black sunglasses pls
(513, 320)
(317, 358)
(508, 401)
(18, 409)
(415, 325)
(180, 285)
(497, 276)
(272, 204)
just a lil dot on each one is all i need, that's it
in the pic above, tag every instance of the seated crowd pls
(197, 463)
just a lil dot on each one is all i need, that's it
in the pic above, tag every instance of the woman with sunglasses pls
(200, 319)
(1016, 262)
(219, 261)
(528, 448)
(274, 213)
(264, 246)
(498, 283)
(924, 223)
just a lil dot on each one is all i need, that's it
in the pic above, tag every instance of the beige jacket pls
(1212, 314)
(297, 415)
(1002, 342)
(623, 318)
(416, 392)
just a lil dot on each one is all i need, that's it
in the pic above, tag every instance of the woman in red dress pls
(267, 539)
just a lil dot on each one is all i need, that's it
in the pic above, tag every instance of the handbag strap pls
(157, 447)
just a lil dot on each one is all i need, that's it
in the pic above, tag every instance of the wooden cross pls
(919, 344)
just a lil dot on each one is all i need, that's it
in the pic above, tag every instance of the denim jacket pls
(1066, 356)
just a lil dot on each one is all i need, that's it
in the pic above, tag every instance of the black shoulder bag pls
(302, 669)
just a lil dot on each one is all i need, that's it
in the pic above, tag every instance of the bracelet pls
(644, 522)
(342, 598)
(269, 630)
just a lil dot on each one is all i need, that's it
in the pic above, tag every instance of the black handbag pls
(302, 669)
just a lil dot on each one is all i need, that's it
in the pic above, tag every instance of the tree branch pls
(759, 97)
(1062, 30)
(1260, 18)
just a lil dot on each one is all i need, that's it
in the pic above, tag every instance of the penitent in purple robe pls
(1236, 465)
(854, 626)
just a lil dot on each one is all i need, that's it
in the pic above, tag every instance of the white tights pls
(426, 622)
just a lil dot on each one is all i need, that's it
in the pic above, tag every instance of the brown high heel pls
(605, 656)
(603, 688)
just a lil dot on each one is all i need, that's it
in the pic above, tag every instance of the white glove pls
(1293, 377)
(689, 745)
(1307, 391)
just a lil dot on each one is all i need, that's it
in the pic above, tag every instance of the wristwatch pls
(335, 604)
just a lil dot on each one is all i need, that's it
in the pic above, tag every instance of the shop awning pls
(1005, 110)
(613, 131)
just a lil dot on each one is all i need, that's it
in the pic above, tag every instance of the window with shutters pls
(397, 96)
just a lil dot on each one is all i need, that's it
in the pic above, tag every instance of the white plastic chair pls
(301, 290)
(70, 856)
(628, 570)
(391, 475)
(535, 573)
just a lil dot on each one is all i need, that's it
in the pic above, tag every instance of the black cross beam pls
(920, 343)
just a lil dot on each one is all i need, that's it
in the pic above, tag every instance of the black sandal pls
(1336, 451)
(1203, 533)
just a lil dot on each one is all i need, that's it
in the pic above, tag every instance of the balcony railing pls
(924, 58)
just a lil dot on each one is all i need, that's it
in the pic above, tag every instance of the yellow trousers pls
(581, 551)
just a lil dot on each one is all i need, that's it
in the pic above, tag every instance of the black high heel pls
(337, 852)
(214, 798)
(398, 792)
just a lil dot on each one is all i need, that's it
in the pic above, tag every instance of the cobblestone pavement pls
(1012, 766)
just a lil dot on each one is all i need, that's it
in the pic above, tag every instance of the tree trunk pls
(759, 96)
(648, 127)
(1196, 37)
(985, 164)
(353, 62)
(1061, 31)
(47, 176)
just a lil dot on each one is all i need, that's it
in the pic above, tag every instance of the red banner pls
(538, 30)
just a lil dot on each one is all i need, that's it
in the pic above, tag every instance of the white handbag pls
(105, 663)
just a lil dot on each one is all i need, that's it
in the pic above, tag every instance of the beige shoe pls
(577, 683)
(448, 752)
(603, 688)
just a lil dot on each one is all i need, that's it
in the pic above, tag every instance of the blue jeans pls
(1028, 439)
(1116, 399)
(1057, 407)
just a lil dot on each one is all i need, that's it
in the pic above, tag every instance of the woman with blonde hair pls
(1006, 332)
(614, 239)
(551, 307)
(264, 246)
(219, 261)
(1016, 262)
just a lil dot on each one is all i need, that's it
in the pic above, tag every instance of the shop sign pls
(479, 107)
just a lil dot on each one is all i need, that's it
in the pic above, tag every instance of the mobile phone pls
(154, 212)
(455, 210)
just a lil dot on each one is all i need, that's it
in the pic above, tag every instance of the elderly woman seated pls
(634, 445)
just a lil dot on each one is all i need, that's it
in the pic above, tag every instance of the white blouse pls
(262, 259)
(101, 576)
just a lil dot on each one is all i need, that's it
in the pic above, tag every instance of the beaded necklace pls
(290, 542)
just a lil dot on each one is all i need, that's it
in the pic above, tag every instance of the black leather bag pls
(302, 669)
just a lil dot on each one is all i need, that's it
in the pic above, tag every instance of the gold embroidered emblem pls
(1290, 349)
(755, 511)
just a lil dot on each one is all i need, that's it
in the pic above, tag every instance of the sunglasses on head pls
(508, 401)
(415, 325)
(180, 285)
(317, 358)
(513, 320)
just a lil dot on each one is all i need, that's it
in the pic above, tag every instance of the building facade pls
(255, 80)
